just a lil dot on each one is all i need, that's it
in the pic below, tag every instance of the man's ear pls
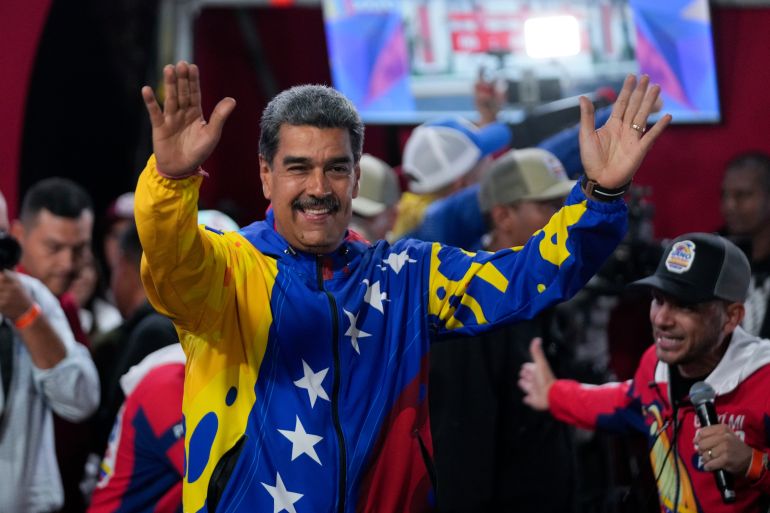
(266, 176)
(502, 217)
(17, 230)
(358, 177)
(735, 313)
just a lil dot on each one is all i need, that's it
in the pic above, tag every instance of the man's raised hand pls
(181, 137)
(612, 154)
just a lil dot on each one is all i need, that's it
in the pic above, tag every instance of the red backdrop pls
(686, 164)
(21, 22)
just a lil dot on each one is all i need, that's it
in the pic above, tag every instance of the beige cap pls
(531, 174)
(217, 220)
(377, 188)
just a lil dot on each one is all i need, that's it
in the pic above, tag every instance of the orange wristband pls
(757, 466)
(28, 317)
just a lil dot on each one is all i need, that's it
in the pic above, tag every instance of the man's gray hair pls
(313, 105)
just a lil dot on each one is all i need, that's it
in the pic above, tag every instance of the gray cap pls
(531, 174)
(700, 267)
(377, 188)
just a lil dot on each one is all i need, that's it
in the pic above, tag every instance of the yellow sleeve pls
(185, 268)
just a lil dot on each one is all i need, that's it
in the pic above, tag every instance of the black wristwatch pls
(592, 189)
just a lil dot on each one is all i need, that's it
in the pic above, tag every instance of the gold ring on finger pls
(638, 128)
(711, 455)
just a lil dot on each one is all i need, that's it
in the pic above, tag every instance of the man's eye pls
(340, 170)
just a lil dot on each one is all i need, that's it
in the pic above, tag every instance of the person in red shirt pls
(143, 466)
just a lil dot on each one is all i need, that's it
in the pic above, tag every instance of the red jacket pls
(741, 381)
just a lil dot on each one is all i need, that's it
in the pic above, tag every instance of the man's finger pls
(170, 104)
(654, 132)
(220, 114)
(153, 109)
(587, 122)
(195, 86)
(647, 105)
(619, 107)
(183, 84)
(635, 101)
(536, 350)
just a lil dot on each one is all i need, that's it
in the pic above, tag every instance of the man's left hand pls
(720, 448)
(612, 154)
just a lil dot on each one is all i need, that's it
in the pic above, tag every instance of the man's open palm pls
(181, 137)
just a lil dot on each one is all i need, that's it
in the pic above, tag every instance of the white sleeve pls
(71, 387)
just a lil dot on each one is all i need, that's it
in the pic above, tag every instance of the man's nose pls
(662, 315)
(318, 183)
(66, 259)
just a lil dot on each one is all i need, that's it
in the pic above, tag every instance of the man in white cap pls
(442, 157)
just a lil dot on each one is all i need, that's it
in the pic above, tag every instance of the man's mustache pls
(330, 203)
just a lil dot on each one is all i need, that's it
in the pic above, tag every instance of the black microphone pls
(702, 397)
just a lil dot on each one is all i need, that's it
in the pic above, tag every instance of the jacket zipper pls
(335, 389)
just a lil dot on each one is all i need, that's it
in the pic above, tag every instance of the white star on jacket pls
(354, 332)
(374, 297)
(302, 442)
(397, 261)
(282, 498)
(312, 382)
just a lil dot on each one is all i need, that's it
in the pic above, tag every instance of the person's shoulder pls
(168, 361)
(166, 376)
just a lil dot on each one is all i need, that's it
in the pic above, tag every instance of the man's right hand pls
(536, 378)
(181, 137)
(14, 300)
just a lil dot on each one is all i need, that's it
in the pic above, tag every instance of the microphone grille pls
(701, 392)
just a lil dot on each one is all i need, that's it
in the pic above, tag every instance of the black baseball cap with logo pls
(700, 267)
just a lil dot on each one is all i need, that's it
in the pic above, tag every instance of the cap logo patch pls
(681, 257)
(555, 168)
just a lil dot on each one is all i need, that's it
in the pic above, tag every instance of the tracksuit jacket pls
(741, 381)
(306, 378)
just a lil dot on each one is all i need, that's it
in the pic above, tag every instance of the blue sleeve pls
(471, 292)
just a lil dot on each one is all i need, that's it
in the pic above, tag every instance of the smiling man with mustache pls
(307, 348)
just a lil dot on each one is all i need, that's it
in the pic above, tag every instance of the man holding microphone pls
(698, 291)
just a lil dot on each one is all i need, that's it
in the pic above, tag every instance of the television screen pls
(412, 60)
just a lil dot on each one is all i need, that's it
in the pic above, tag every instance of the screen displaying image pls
(412, 60)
